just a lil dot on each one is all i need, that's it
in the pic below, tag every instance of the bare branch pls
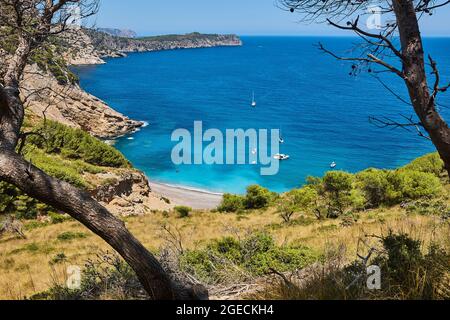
(385, 122)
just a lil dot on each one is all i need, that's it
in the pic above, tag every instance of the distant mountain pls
(122, 33)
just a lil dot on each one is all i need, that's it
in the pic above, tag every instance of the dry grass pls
(26, 264)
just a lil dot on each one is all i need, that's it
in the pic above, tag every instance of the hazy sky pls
(243, 17)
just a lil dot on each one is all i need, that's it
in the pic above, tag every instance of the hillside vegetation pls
(64, 153)
(299, 245)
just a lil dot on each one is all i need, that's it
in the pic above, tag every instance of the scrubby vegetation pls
(230, 259)
(51, 59)
(48, 60)
(276, 246)
(340, 193)
(409, 271)
(56, 138)
(64, 153)
(183, 211)
(257, 197)
(105, 277)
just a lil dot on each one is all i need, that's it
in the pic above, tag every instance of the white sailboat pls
(253, 100)
(281, 157)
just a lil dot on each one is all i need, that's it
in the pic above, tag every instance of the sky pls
(242, 17)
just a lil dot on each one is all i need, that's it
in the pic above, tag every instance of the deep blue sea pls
(321, 110)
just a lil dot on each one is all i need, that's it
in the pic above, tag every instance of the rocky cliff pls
(70, 105)
(92, 45)
(127, 192)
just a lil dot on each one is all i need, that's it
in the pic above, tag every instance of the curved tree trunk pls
(63, 196)
(416, 78)
(80, 205)
(31, 34)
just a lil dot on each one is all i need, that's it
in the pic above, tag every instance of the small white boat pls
(254, 101)
(281, 157)
(333, 165)
(254, 151)
(281, 137)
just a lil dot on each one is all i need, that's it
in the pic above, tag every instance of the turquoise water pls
(322, 111)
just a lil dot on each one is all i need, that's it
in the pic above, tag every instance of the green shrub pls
(430, 163)
(65, 170)
(49, 60)
(415, 185)
(108, 277)
(256, 255)
(258, 197)
(231, 203)
(229, 247)
(57, 218)
(376, 186)
(69, 236)
(8, 196)
(281, 259)
(338, 186)
(304, 198)
(183, 211)
(338, 182)
(76, 144)
(409, 272)
(14, 201)
(59, 258)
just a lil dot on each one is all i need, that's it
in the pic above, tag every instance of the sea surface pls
(320, 109)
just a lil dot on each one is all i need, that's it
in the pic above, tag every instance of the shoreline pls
(185, 196)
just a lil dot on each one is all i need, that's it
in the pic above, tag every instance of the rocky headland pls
(98, 45)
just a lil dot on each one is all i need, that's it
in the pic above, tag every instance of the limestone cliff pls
(91, 46)
(70, 105)
(126, 192)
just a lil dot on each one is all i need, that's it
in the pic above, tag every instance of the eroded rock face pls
(127, 193)
(79, 49)
(72, 106)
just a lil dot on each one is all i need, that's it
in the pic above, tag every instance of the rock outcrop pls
(71, 105)
(127, 193)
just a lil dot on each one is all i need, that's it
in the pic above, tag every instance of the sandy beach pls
(182, 196)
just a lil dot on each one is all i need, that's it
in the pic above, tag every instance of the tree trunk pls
(32, 29)
(63, 196)
(416, 78)
(81, 206)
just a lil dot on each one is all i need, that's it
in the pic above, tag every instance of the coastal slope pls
(48, 98)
